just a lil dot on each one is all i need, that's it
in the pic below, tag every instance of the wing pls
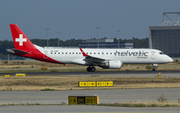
(105, 63)
(93, 59)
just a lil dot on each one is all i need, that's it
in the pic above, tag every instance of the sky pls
(78, 19)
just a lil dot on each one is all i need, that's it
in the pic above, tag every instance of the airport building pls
(167, 36)
(105, 43)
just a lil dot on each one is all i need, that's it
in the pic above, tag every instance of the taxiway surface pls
(171, 73)
(84, 109)
(106, 96)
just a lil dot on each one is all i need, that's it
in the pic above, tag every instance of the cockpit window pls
(161, 53)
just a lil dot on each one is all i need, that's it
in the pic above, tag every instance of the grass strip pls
(51, 83)
(29, 104)
(128, 104)
(142, 104)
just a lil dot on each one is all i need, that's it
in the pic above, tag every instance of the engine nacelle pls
(113, 65)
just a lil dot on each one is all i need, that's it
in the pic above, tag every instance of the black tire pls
(89, 69)
(93, 69)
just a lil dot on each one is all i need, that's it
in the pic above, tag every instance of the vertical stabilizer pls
(21, 42)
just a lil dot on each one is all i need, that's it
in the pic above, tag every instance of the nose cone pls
(170, 59)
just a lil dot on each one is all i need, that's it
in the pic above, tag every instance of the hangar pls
(167, 36)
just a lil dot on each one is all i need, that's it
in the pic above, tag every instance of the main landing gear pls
(91, 69)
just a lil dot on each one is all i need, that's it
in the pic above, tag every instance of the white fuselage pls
(126, 56)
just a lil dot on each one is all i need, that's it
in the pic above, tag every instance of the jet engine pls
(111, 65)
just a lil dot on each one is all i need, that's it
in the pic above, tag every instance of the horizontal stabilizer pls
(13, 51)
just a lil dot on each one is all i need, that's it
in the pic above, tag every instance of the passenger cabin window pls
(62, 52)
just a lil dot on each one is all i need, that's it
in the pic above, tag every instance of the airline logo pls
(127, 53)
(21, 40)
(139, 54)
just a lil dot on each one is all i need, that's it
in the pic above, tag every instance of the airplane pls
(104, 58)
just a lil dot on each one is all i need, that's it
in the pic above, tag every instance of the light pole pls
(118, 37)
(97, 37)
(58, 37)
(118, 42)
(47, 36)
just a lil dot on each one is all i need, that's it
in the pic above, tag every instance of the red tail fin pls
(21, 42)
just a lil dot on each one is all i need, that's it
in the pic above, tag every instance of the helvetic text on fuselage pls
(140, 54)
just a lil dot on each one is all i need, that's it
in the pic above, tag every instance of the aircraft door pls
(152, 55)
(45, 55)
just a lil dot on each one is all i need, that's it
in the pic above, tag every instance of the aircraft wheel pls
(89, 69)
(93, 69)
(154, 69)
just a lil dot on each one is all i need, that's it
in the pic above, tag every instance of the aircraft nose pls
(170, 59)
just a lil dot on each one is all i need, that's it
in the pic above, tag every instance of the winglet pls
(84, 54)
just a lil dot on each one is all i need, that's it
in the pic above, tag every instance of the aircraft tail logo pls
(21, 42)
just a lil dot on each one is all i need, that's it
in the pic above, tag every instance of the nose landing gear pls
(154, 67)
(91, 69)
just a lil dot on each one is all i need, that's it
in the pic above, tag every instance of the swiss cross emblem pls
(21, 40)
